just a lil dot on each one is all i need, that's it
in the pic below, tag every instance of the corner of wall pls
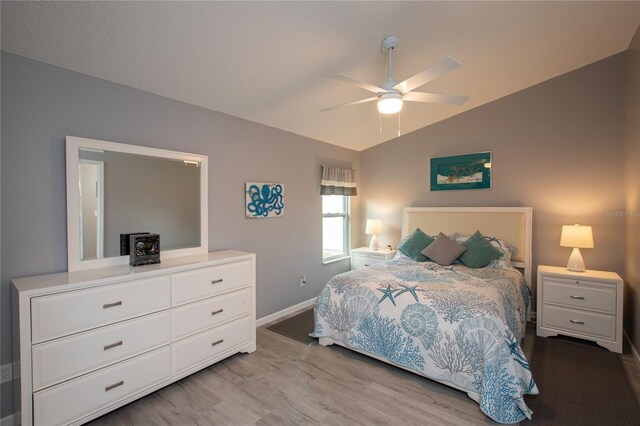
(632, 192)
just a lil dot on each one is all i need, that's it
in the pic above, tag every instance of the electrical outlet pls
(303, 280)
(6, 373)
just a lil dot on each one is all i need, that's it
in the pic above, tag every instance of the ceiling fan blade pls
(361, 84)
(361, 101)
(434, 71)
(434, 98)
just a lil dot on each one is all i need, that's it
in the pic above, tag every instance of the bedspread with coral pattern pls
(456, 325)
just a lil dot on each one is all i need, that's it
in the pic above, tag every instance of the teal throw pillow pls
(479, 252)
(413, 246)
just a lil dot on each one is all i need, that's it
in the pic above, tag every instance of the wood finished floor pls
(288, 383)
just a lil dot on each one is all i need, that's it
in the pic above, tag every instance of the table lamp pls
(578, 237)
(374, 227)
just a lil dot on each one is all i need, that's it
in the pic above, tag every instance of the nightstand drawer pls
(379, 255)
(364, 256)
(364, 261)
(580, 296)
(581, 322)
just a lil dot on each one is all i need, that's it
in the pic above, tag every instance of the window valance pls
(338, 181)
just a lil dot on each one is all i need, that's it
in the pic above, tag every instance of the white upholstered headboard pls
(511, 224)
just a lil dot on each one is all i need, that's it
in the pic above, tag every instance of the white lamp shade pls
(390, 103)
(374, 227)
(576, 236)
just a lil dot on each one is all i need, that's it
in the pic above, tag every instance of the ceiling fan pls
(391, 95)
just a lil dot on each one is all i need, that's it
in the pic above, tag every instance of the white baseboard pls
(284, 312)
(633, 348)
(8, 420)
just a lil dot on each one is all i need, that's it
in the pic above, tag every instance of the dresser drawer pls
(195, 317)
(63, 359)
(206, 282)
(190, 352)
(588, 323)
(582, 296)
(78, 398)
(75, 311)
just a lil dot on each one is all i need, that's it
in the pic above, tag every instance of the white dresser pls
(91, 341)
(587, 305)
(364, 256)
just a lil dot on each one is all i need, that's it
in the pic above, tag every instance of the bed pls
(452, 324)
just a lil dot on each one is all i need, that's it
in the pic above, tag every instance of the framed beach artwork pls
(468, 171)
(263, 200)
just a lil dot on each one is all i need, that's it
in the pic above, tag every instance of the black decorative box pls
(124, 242)
(145, 249)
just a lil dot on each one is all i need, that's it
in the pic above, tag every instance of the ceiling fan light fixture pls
(390, 103)
(390, 96)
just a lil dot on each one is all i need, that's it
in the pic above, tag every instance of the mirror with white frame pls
(115, 189)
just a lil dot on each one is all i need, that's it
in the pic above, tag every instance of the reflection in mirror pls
(91, 190)
(127, 193)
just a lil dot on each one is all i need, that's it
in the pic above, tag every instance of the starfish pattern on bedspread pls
(408, 289)
(387, 293)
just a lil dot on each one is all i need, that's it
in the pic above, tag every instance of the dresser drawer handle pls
(219, 311)
(217, 342)
(111, 305)
(115, 385)
(113, 345)
(218, 281)
(576, 297)
(576, 322)
(366, 264)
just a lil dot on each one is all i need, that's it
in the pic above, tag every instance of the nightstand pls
(364, 256)
(587, 305)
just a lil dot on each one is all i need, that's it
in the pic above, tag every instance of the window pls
(335, 227)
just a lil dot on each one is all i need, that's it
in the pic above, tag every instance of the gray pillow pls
(444, 251)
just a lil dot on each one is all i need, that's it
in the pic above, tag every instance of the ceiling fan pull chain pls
(380, 121)
(398, 124)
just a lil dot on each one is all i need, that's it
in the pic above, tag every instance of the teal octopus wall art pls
(264, 200)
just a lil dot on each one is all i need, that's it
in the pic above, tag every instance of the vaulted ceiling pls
(270, 62)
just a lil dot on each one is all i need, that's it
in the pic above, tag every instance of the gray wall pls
(41, 104)
(632, 232)
(557, 147)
